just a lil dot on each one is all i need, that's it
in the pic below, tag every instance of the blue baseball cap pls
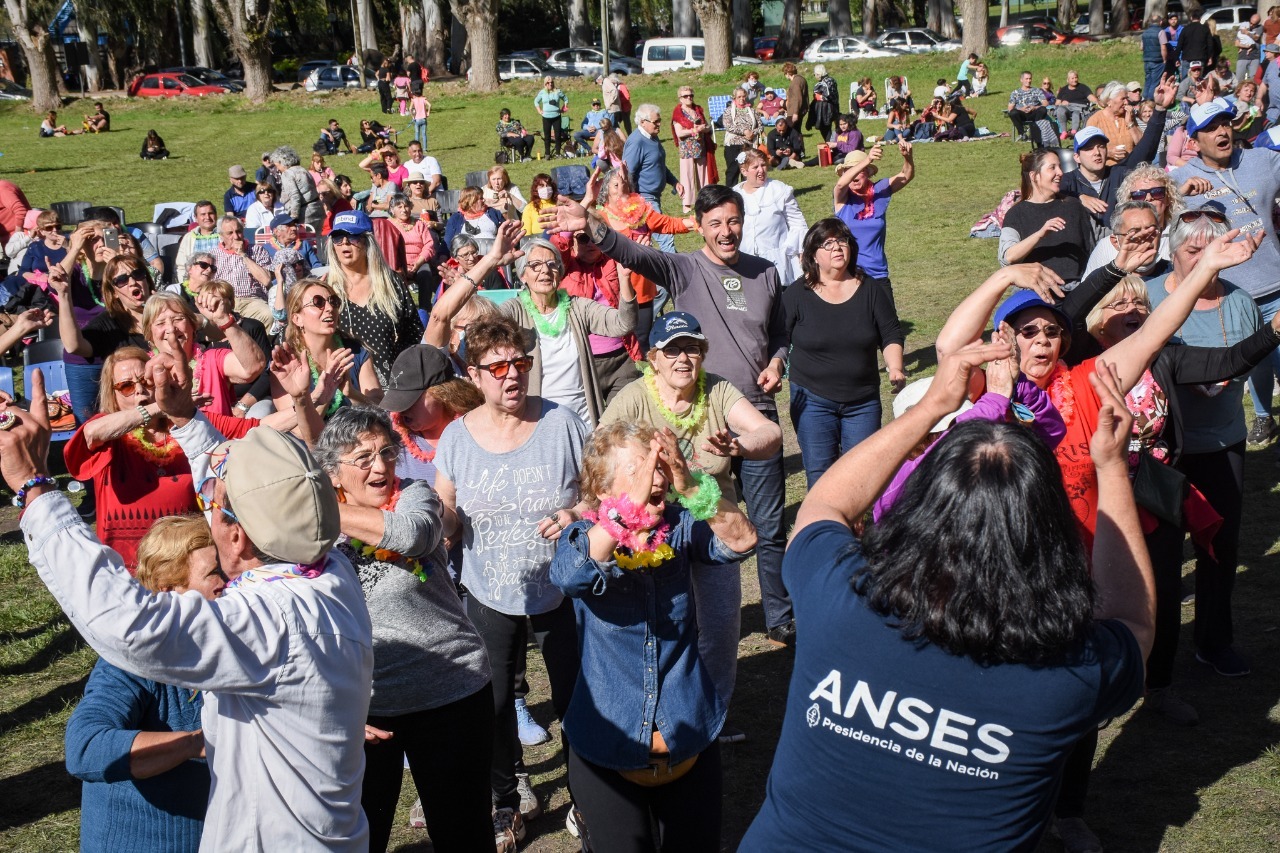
(1202, 115)
(282, 219)
(1089, 135)
(672, 325)
(351, 222)
(1269, 138)
(1021, 301)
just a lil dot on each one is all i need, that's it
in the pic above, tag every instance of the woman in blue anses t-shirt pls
(949, 658)
(861, 202)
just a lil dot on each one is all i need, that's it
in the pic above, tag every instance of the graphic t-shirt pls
(501, 497)
(891, 745)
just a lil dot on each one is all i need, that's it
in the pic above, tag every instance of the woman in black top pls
(126, 285)
(1047, 227)
(836, 324)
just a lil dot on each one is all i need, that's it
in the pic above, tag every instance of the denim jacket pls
(638, 639)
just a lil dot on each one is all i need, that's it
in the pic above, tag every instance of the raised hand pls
(32, 320)
(1226, 251)
(60, 282)
(24, 444)
(506, 246)
(1045, 282)
(291, 372)
(1137, 251)
(1109, 445)
(212, 308)
(725, 443)
(171, 381)
(568, 215)
(950, 384)
(673, 463)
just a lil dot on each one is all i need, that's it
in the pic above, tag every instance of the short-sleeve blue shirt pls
(870, 232)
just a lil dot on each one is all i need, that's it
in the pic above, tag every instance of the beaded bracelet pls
(20, 499)
(703, 503)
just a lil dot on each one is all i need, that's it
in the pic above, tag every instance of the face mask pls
(544, 192)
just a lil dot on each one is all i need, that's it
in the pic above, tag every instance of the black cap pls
(415, 370)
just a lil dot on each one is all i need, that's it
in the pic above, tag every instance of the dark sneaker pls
(1076, 835)
(508, 830)
(784, 635)
(1171, 706)
(1226, 662)
(1262, 431)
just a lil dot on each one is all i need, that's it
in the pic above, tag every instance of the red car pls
(168, 84)
(1037, 34)
(764, 48)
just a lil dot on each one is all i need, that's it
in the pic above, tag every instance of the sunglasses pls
(342, 238)
(1207, 212)
(673, 351)
(500, 369)
(364, 461)
(205, 265)
(138, 275)
(318, 302)
(1031, 331)
(205, 501)
(1156, 193)
(129, 387)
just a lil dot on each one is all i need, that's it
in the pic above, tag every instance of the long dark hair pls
(980, 556)
(1033, 161)
(822, 231)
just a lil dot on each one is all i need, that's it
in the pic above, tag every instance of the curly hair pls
(597, 456)
(1149, 173)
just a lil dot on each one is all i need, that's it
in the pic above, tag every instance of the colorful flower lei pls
(641, 545)
(162, 453)
(416, 567)
(689, 422)
(407, 438)
(1062, 393)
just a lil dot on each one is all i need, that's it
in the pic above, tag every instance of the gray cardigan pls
(586, 317)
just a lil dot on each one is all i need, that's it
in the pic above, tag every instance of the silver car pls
(915, 40)
(846, 47)
(527, 68)
(589, 62)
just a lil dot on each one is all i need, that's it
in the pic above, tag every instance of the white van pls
(671, 54)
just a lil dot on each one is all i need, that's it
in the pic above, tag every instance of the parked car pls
(538, 53)
(11, 91)
(305, 69)
(1015, 34)
(589, 62)
(915, 40)
(338, 77)
(764, 48)
(846, 47)
(209, 77)
(1229, 18)
(527, 68)
(671, 54)
(170, 85)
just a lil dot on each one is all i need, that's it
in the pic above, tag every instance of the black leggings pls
(1164, 544)
(732, 169)
(1075, 777)
(522, 145)
(449, 750)
(505, 638)
(550, 135)
(1220, 476)
(620, 815)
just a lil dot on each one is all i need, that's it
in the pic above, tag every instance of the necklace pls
(162, 453)
(408, 436)
(550, 328)
(416, 567)
(1062, 393)
(338, 398)
(691, 420)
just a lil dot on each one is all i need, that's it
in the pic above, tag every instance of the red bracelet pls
(231, 321)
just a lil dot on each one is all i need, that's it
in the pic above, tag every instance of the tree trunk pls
(368, 27)
(789, 31)
(33, 37)
(839, 19)
(620, 27)
(201, 41)
(683, 22)
(717, 30)
(1120, 18)
(975, 27)
(247, 23)
(413, 35)
(1158, 7)
(1067, 14)
(433, 32)
(870, 9)
(93, 71)
(480, 17)
(942, 17)
(1004, 13)
(1097, 19)
(579, 25)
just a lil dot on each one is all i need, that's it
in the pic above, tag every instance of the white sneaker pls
(530, 807)
(417, 817)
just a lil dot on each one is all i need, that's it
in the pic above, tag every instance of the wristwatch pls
(242, 407)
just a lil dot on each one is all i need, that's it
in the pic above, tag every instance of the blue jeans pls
(764, 489)
(825, 430)
(664, 242)
(1152, 71)
(1262, 379)
(420, 131)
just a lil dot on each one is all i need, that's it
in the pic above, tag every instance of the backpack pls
(624, 98)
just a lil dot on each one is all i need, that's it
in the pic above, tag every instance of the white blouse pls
(774, 228)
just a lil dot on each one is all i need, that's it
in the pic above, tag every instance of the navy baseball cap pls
(675, 324)
(282, 219)
(1021, 301)
(351, 222)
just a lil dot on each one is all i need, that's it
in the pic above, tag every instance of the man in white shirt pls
(428, 168)
(284, 657)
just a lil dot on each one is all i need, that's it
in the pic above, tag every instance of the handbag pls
(1160, 489)
(690, 148)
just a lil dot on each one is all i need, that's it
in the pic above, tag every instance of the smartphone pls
(111, 238)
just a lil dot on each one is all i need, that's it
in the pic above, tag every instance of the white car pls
(916, 40)
(676, 54)
(589, 62)
(845, 47)
(1229, 18)
(338, 77)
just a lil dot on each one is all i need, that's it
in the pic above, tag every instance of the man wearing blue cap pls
(284, 235)
(1245, 184)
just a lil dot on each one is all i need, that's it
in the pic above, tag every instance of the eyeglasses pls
(538, 266)
(205, 501)
(673, 351)
(1154, 193)
(1136, 233)
(364, 461)
(342, 238)
(129, 387)
(1031, 331)
(467, 256)
(138, 275)
(318, 302)
(1128, 304)
(834, 243)
(205, 265)
(1207, 212)
(500, 369)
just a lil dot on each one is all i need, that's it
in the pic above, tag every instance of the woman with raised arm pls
(862, 203)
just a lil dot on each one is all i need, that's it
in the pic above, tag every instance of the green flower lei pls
(690, 422)
(559, 321)
(703, 504)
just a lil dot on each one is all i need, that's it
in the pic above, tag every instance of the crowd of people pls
(348, 460)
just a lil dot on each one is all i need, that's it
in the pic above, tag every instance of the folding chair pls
(449, 201)
(6, 381)
(71, 212)
(168, 248)
(477, 179)
(261, 234)
(174, 214)
(150, 230)
(119, 213)
(716, 105)
(47, 356)
(571, 180)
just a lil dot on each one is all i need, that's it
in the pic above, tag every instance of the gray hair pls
(1117, 216)
(528, 244)
(285, 157)
(1109, 91)
(606, 193)
(462, 241)
(645, 110)
(398, 199)
(739, 89)
(202, 256)
(231, 217)
(819, 71)
(1202, 229)
(345, 429)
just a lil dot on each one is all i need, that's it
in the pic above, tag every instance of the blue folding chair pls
(716, 105)
(6, 381)
(47, 356)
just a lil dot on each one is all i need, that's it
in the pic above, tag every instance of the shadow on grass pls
(42, 706)
(67, 641)
(36, 793)
(28, 633)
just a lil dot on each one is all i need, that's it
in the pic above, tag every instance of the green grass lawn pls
(1216, 787)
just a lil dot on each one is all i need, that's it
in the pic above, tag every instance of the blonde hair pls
(160, 302)
(106, 383)
(1149, 172)
(382, 289)
(224, 289)
(499, 170)
(476, 308)
(471, 198)
(1129, 286)
(164, 553)
(597, 457)
(458, 395)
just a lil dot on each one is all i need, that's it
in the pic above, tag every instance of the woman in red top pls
(139, 472)
(692, 133)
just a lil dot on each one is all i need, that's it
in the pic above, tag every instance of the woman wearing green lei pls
(713, 423)
(559, 326)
